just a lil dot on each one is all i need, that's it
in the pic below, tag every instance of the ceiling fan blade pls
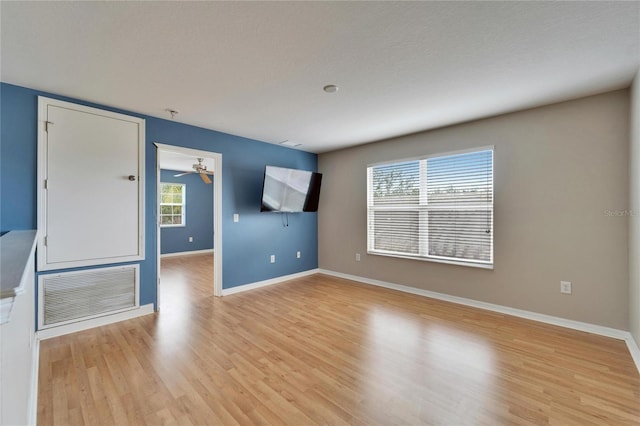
(182, 174)
(205, 178)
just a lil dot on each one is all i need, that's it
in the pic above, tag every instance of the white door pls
(91, 209)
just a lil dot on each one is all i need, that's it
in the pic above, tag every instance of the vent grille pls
(77, 295)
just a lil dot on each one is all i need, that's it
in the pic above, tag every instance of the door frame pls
(217, 211)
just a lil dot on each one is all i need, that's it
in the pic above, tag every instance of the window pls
(435, 208)
(172, 204)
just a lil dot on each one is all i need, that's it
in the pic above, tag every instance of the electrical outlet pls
(298, 255)
(190, 239)
(357, 257)
(236, 217)
(565, 287)
(273, 258)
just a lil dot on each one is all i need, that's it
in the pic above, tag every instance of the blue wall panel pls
(18, 158)
(199, 215)
(246, 245)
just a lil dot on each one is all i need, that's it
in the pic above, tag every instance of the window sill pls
(172, 226)
(435, 260)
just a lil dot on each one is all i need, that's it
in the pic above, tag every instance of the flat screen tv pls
(290, 190)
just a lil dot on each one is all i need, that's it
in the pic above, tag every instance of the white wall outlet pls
(273, 258)
(357, 257)
(565, 287)
(298, 255)
(190, 239)
(236, 217)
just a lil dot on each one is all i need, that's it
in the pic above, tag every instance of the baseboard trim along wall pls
(186, 253)
(94, 322)
(634, 350)
(258, 284)
(534, 316)
(33, 388)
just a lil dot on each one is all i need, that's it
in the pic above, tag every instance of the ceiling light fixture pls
(330, 88)
(173, 112)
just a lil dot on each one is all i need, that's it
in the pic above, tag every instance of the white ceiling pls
(256, 69)
(182, 162)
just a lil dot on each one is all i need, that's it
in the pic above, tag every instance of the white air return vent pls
(75, 296)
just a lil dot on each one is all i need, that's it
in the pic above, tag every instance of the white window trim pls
(183, 205)
(423, 208)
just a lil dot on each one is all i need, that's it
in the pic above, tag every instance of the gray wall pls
(634, 220)
(558, 170)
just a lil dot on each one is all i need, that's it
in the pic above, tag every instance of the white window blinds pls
(436, 208)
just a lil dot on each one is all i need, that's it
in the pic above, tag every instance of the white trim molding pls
(94, 322)
(272, 281)
(217, 211)
(33, 388)
(521, 313)
(186, 253)
(634, 350)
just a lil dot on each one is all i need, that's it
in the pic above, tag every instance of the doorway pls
(201, 167)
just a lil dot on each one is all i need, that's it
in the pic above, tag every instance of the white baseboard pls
(534, 316)
(94, 322)
(634, 350)
(258, 284)
(32, 418)
(186, 253)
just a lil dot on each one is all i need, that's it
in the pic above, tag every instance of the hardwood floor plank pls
(323, 350)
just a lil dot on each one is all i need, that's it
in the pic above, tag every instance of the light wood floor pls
(322, 350)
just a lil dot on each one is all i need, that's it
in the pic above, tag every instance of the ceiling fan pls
(199, 168)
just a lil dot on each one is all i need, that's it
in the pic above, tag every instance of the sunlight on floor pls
(181, 290)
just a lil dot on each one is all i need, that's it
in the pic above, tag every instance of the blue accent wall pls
(246, 244)
(199, 215)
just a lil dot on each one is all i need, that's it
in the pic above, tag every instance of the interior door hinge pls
(46, 183)
(46, 240)
(46, 126)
